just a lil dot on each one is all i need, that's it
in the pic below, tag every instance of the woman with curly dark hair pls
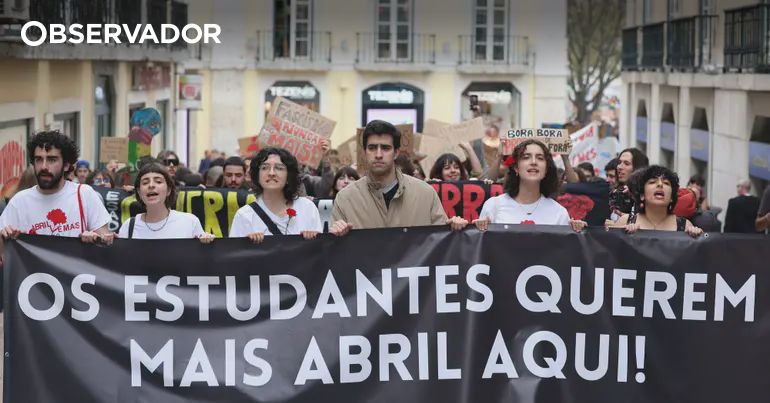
(532, 182)
(448, 168)
(654, 190)
(156, 194)
(278, 209)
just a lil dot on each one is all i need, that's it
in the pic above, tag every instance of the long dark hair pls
(638, 158)
(638, 180)
(157, 168)
(549, 186)
(344, 171)
(436, 172)
(293, 180)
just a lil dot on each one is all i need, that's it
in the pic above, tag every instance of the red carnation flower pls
(578, 206)
(57, 216)
(291, 212)
(509, 161)
(528, 222)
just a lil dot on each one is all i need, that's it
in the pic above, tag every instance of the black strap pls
(131, 222)
(265, 219)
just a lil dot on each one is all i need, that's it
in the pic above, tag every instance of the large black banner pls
(216, 207)
(516, 314)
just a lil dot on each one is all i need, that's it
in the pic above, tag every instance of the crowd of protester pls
(55, 195)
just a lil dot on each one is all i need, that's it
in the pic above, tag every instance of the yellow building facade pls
(403, 60)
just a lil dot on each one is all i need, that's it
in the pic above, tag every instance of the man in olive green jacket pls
(386, 197)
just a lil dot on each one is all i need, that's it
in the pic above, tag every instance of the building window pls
(165, 133)
(489, 24)
(67, 123)
(673, 9)
(103, 109)
(393, 39)
(646, 11)
(292, 26)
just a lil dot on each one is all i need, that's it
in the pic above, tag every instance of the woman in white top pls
(278, 210)
(531, 182)
(156, 193)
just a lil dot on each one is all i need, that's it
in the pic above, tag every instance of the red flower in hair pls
(291, 212)
(509, 161)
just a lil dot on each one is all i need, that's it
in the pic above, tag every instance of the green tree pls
(594, 50)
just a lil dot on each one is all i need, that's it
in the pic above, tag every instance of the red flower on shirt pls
(528, 222)
(57, 216)
(291, 212)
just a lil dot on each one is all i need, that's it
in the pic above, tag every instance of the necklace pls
(161, 227)
(655, 226)
(531, 211)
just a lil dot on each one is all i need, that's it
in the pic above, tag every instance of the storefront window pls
(300, 92)
(499, 104)
(397, 103)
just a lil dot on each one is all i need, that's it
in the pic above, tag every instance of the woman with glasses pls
(101, 178)
(278, 210)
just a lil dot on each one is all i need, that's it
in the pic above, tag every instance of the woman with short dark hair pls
(278, 209)
(532, 182)
(156, 194)
(655, 192)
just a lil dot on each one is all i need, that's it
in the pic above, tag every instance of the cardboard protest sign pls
(248, 146)
(297, 129)
(451, 135)
(113, 148)
(346, 152)
(557, 140)
(432, 126)
(407, 139)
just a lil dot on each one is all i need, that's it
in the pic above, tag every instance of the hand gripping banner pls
(515, 314)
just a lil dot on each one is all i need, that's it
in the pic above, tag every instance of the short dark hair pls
(638, 158)
(344, 171)
(698, 180)
(549, 186)
(639, 179)
(404, 164)
(157, 168)
(587, 166)
(612, 165)
(54, 139)
(293, 180)
(236, 161)
(381, 127)
(444, 160)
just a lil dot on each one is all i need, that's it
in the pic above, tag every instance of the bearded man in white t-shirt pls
(56, 206)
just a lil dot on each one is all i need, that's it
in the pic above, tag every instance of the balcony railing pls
(653, 45)
(746, 38)
(630, 53)
(277, 47)
(506, 50)
(690, 42)
(415, 49)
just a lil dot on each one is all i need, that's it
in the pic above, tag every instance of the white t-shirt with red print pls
(503, 209)
(57, 214)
